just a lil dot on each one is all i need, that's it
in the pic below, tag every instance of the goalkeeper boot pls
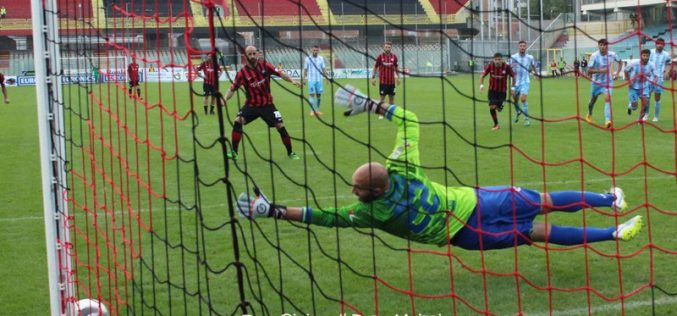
(232, 155)
(619, 204)
(294, 156)
(629, 229)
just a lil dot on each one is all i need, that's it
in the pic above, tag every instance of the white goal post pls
(52, 152)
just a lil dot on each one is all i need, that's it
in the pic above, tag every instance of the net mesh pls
(150, 187)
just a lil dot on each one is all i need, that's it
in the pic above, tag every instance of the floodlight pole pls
(52, 152)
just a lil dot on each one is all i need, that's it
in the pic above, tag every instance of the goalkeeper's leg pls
(357, 102)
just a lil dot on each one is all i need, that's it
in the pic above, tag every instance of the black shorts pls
(208, 89)
(386, 89)
(267, 113)
(496, 98)
(133, 83)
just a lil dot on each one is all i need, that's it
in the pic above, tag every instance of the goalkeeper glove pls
(356, 102)
(251, 206)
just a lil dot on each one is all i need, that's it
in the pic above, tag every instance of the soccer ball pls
(90, 307)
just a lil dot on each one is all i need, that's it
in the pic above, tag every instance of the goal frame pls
(49, 94)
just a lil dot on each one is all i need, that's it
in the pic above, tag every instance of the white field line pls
(670, 300)
(340, 197)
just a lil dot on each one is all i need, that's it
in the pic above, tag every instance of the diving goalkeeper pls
(399, 199)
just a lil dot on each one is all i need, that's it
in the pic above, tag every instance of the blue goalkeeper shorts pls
(503, 218)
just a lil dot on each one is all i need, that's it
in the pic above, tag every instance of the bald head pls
(252, 55)
(370, 181)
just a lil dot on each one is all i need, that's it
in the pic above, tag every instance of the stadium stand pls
(354, 12)
(381, 7)
(75, 9)
(416, 58)
(4, 61)
(447, 6)
(166, 8)
(269, 8)
(17, 10)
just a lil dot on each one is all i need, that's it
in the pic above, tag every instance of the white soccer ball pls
(90, 307)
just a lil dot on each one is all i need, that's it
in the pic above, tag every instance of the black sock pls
(493, 116)
(285, 139)
(590, 106)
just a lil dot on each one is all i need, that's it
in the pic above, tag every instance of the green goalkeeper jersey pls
(413, 207)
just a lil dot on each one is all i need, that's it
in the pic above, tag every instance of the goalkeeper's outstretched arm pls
(258, 205)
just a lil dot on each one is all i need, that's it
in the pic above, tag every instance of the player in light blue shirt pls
(314, 71)
(640, 74)
(659, 59)
(600, 69)
(522, 64)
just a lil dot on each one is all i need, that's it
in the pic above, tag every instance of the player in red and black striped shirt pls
(210, 74)
(386, 67)
(499, 72)
(254, 77)
(133, 74)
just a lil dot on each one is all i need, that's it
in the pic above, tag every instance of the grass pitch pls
(143, 174)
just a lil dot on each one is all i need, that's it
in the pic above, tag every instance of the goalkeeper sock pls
(285, 139)
(236, 135)
(493, 116)
(572, 201)
(657, 109)
(564, 235)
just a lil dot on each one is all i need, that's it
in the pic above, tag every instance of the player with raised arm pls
(498, 72)
(210, 72)
(388, 76)
(254, 77)
(640, 74)
(602, 80)
(133, 75)
(314, 71)
(522, 65)
(399, 199)
(4, 89)
(659, 59)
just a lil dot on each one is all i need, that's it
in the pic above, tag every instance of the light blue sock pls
(607, 111)
(525, 109)
(563, 235)
(317, 102)
(657, 109)
(312, 103)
